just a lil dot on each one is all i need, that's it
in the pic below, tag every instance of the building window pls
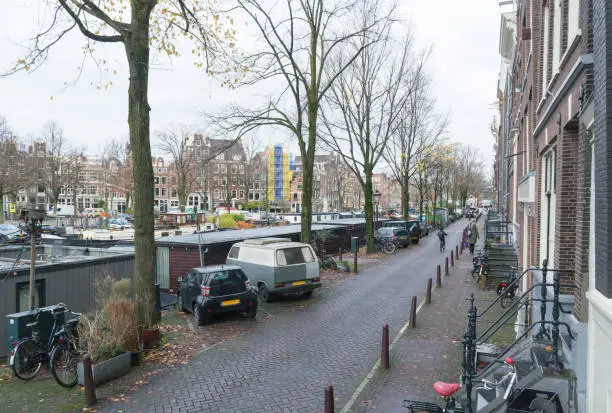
(216, 194)
(174, 194)
(164, 192)
(164, 180)
(156, 180)
(250, 196)
(156, 191)
(257, 197)
(23, 295)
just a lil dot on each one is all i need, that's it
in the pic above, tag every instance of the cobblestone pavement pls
(284, 365)
(430, 352)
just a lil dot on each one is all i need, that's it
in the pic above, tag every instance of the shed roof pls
(221, 237)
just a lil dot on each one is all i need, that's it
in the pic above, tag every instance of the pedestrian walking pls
(473, 235)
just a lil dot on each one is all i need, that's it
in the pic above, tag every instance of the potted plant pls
(110, 333)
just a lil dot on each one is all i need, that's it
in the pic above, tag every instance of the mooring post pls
(384, 352)
(90, 389)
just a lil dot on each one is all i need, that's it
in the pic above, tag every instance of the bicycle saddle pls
(446, 389)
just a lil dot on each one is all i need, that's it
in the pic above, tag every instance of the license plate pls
(299, 283)
(404, 237)
(229, 302)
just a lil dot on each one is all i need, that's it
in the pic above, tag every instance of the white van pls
(277, 266)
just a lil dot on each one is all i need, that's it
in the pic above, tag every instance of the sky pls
(464, 67)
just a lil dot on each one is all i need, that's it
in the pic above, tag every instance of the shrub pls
(238, 217)
(226, 221)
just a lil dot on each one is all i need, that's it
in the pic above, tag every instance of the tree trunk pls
(137, 50)
(369, 209)
(307, 182)
(182, 193)
(1, 203)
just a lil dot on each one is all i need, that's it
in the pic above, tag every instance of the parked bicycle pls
(480, 264)
(60, 350)
(447, 390)
(507, 289)
(386, 245)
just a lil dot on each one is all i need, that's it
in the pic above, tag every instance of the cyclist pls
(442, 236)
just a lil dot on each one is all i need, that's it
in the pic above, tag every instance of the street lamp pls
(376, 196)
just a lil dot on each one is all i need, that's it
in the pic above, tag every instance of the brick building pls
(544, 163)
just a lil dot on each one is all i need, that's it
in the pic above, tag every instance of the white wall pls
(599, 381)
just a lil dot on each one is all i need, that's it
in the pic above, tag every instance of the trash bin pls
(354, 243)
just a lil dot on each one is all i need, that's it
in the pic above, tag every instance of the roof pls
(220, 237)
(214, 268)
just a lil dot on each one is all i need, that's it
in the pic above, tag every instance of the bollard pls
(457, 252)
(90, 390)
(438, 278)
(452, 259)
(329, 399)
(413, 308)
(384, 351)
(355, 263)
(428, 293)
(340, 253)
(446, 266)
(439, 271)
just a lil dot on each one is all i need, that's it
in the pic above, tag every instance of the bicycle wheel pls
(389, 247)
(25, 360)
(441, 247)
(63, 363)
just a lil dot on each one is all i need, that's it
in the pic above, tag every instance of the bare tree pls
(8, 159)
(174, 142)
(56, 149)
(368, 98)
(74, 164)
(299, 46)
(112, 155)
(252, 146)
(467, 173)
(138, 25)
(419, 128)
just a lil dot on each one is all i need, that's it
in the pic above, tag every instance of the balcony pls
(527, 188)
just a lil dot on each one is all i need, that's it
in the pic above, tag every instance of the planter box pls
(108, 370)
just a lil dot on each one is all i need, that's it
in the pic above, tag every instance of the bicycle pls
(386, 245)
(447, 390)
(60, 351)
(507, 289)
(442, 244)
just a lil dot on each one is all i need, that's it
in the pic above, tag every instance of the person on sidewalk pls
(473, 235)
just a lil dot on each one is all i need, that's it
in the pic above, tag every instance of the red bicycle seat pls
(446, 389)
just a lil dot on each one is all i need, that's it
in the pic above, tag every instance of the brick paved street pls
(430, 352)
(284, 365)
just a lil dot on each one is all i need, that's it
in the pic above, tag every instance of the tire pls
(264, 293)
(307, 294)
(441, 247)
(198, 315)
(415, 241)
(63, 363)
(252, 313)
(26, 362)
(389, 247)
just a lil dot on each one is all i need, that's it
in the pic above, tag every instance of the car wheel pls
(252, 312)
(415, 240)
(307, 294)
(264, 293)
(198, 315)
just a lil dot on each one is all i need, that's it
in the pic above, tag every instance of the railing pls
(470, 339)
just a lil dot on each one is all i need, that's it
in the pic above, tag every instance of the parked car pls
(400, 235)
(413, 228)
(48, 229)
(425, 229)
(277, 266)
(11, 233)
(212, 290)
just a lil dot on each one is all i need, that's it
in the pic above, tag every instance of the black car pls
(412, 227)
(400, 235)
(207, 291)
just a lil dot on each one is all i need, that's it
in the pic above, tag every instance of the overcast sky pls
(463, 67)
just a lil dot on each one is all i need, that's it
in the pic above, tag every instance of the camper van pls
(277, 266)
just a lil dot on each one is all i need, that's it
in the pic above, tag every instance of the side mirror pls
(179, 279)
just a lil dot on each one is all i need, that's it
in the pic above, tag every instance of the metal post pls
(452, 260)
(384, 351)
(329, 399)
(543, 291)
(32, 301)
(413, 308)
(90, 389)
(438, 278)
(446, 266)
(355, 260)
(428, 293)
(457, 252)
